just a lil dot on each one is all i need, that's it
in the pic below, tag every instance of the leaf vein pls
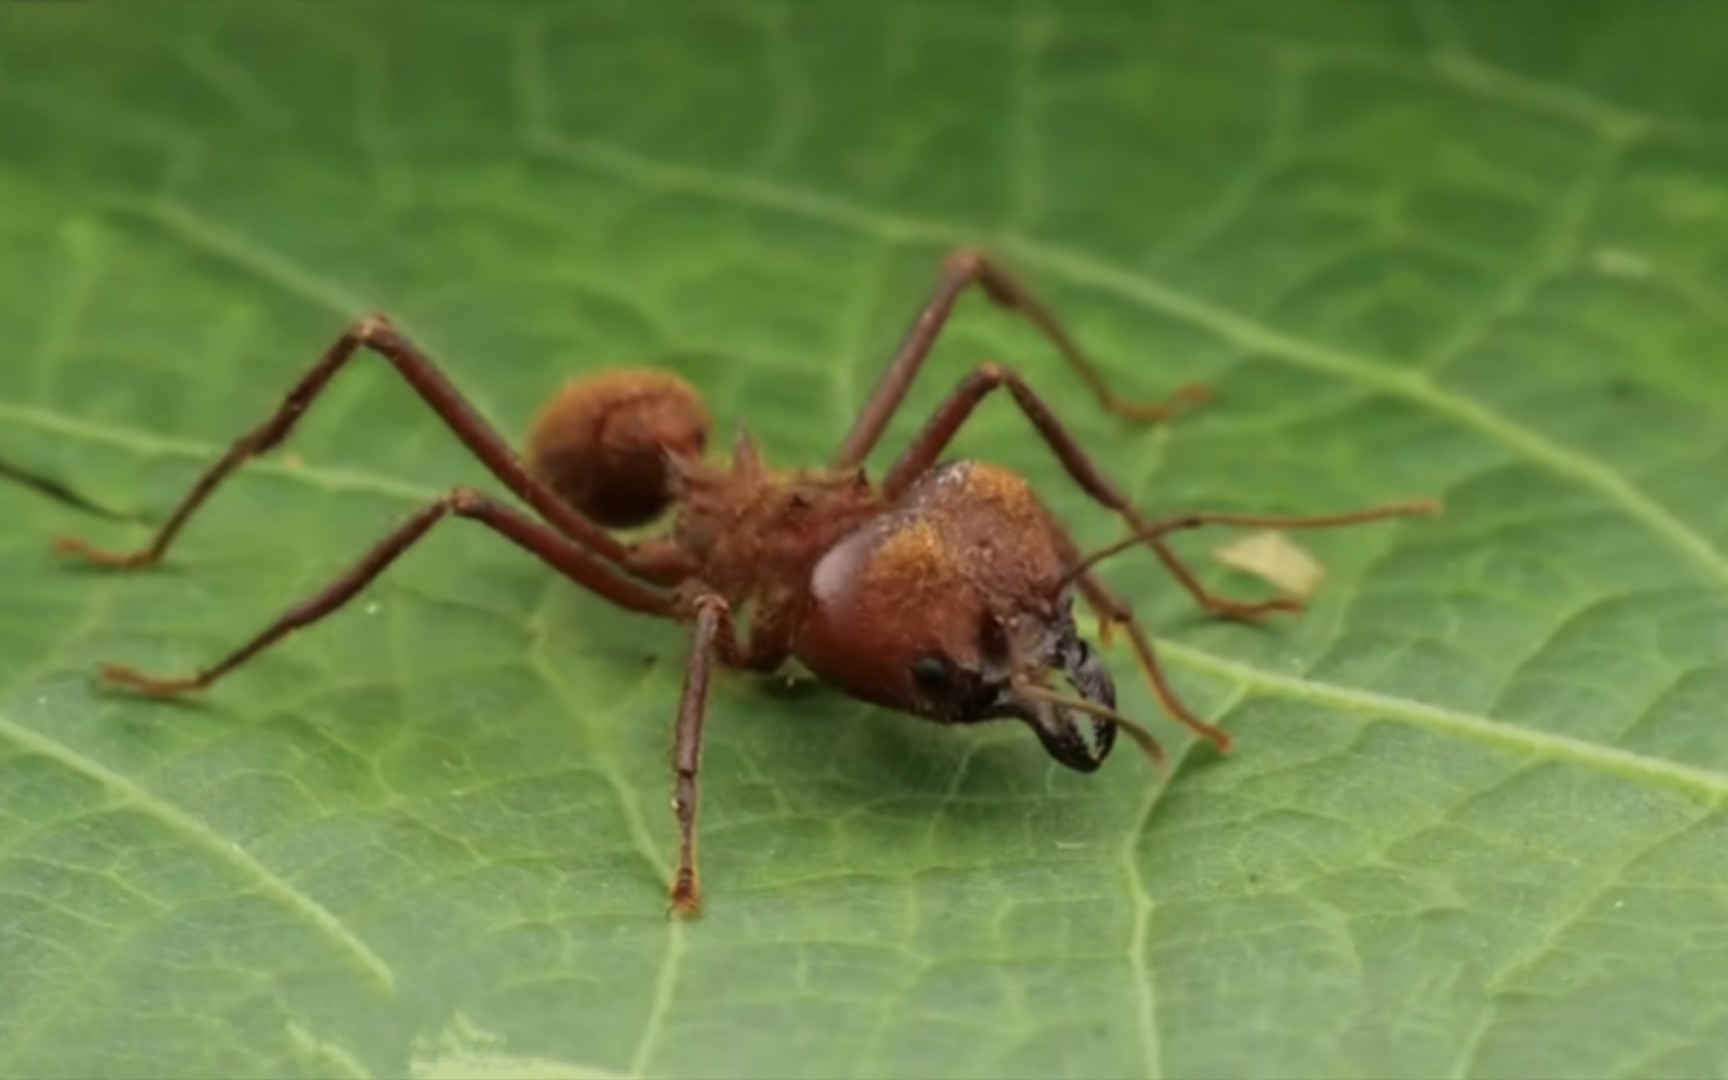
(150, 444)
(1544, 745)
(204, 837)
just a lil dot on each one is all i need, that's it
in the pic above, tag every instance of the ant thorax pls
(756, 532)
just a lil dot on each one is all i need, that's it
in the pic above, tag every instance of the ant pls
(944, 590)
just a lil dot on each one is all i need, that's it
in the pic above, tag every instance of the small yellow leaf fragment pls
(1275, 558)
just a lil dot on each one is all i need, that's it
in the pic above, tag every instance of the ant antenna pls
(1142, 738)
(1264, 521)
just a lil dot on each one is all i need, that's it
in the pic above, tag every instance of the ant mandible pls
(942, 590)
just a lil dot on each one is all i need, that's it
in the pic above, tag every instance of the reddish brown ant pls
(942, 590)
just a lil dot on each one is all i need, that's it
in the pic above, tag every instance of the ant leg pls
(556, 550)
(953, 413)
(714, 635)
(962, 269)
(1113, 610)
(375, 333)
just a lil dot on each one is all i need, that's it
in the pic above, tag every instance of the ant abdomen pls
(604, 443)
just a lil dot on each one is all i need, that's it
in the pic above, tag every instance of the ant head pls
(951, 607)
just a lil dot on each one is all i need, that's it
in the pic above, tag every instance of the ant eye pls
(932, 674)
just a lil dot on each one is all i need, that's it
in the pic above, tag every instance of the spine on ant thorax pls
(757, 533)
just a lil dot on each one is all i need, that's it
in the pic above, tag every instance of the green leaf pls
(1474, 825)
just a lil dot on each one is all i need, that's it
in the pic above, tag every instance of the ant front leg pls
(953, 413)
(963, 269)
(1114, 611)
(714, 635)
(556, 550)
(377, 334)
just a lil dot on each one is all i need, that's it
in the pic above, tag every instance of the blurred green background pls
(1474, 826)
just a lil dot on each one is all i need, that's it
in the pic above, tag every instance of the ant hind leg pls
(378, 335)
